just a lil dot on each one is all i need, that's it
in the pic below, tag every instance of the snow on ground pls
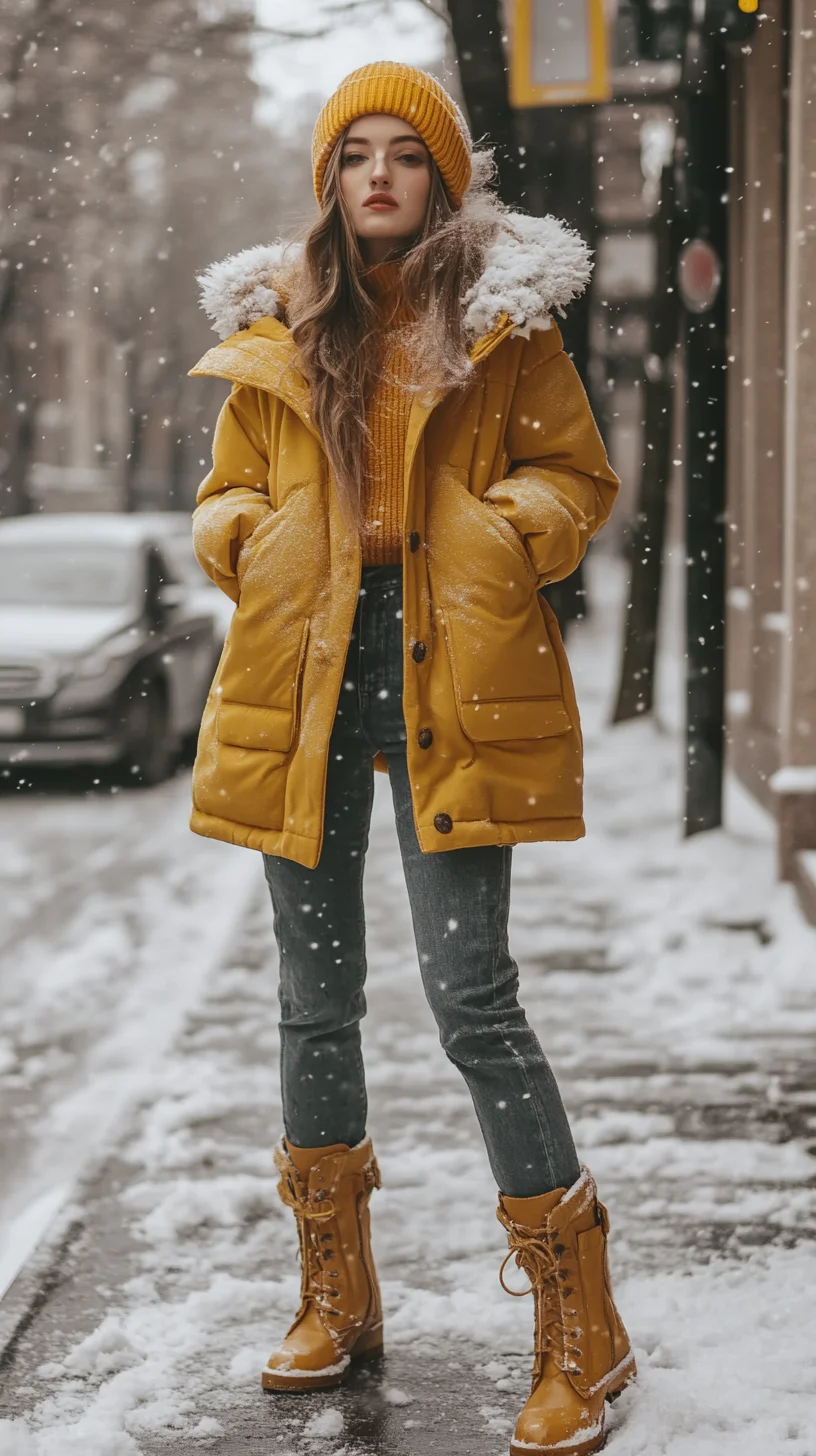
(113, 911)
(673, 986)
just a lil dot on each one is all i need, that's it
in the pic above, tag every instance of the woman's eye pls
(412, 158)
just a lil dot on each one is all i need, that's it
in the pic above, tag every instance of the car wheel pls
(148, 747)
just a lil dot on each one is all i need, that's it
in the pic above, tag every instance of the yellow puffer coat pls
(505, 482)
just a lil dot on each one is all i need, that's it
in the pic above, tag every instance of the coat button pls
(425, 738)
(418, 651)
(443, 823)
(414, 541)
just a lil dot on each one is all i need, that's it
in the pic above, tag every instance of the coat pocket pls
(506, 690)
(508, 718)
(509, 534)
(253, 540)
(267, 726)
(506, 675)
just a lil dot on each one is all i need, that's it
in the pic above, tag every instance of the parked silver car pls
(107, 650)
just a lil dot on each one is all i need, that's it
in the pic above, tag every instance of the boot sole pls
(623, 1378)
(370, 1347)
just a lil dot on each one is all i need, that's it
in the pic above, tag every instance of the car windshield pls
(66, 574)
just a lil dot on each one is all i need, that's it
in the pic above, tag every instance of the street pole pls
(704, 131)
(637, 679)
(477, 37)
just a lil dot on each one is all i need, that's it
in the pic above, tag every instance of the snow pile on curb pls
(726, 1358)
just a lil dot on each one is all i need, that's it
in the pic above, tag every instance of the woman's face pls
(385, 178)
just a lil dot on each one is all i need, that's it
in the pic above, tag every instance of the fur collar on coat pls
(532, 266)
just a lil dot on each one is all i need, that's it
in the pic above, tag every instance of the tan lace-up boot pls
(582, 1352)
(340, 1315)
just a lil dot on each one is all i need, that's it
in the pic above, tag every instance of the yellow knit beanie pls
(392, 89)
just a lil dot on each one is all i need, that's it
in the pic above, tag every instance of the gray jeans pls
(459, 903)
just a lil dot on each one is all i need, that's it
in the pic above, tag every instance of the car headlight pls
(100, 661)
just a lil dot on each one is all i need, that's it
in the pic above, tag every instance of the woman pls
(406, 456)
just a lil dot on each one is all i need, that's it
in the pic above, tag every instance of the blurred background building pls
(139, 144)
(130, 158)
(771, 613)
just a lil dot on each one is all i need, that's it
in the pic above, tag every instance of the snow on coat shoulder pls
(533, 266)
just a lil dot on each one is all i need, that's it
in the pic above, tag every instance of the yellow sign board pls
(558, 52)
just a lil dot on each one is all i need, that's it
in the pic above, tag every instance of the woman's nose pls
(380, 171)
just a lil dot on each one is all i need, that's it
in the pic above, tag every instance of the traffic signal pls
(730, 19)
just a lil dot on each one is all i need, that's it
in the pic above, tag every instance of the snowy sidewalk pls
(674, 987)
(103, 894)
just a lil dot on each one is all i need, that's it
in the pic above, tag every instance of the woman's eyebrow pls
(392, 142)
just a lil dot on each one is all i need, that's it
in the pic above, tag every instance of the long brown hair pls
(333, 318)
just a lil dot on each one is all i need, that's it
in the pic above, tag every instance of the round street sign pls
(699, 274)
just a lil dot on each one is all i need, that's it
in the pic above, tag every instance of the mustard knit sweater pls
(387, 420)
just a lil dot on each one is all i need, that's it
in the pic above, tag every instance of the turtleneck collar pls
(384, 283)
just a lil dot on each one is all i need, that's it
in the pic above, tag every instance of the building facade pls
(771, 623)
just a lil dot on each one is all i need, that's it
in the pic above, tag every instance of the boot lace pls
(538, 1254)
(318, 1234)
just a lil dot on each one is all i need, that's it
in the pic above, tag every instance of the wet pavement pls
(427, 1395)
(403, 1402)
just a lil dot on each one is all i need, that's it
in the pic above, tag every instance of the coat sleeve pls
(559, 486)
(234, 498)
